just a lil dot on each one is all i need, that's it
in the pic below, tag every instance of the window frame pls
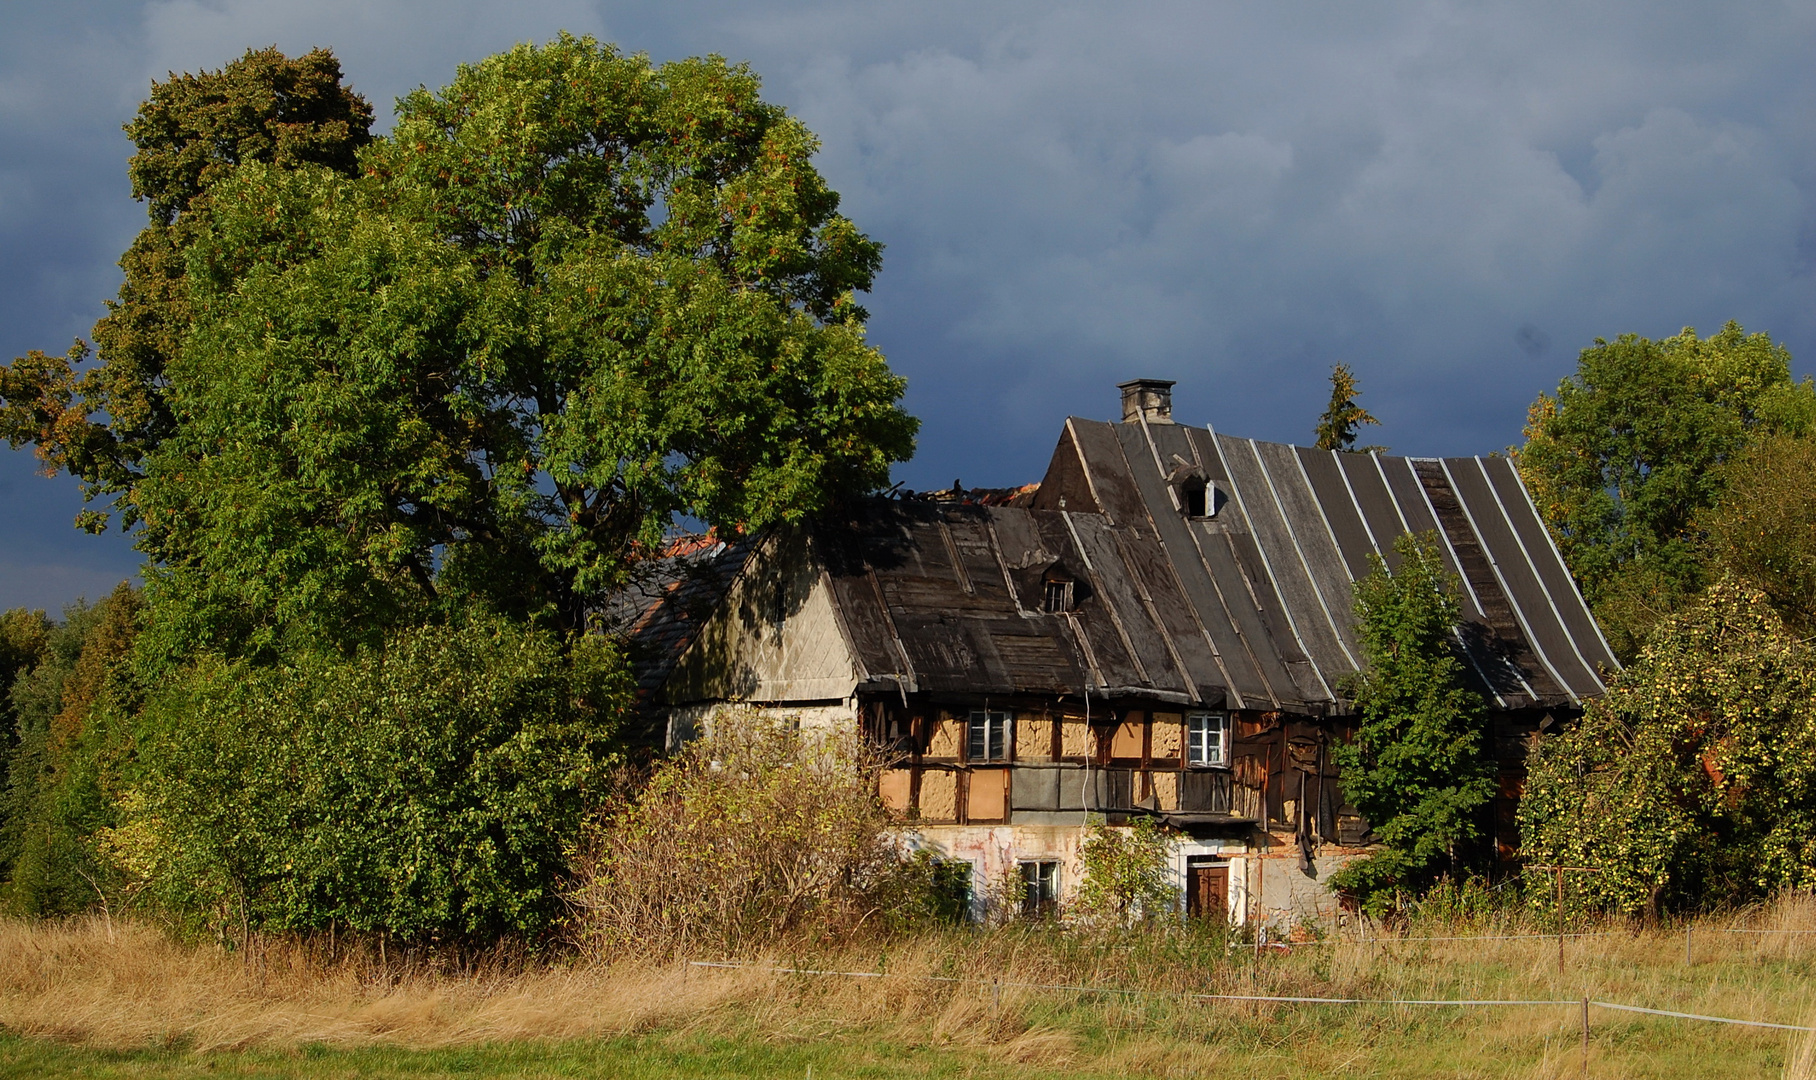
(1065, 591)
(984, 723)
(1197, 754)
(1040, 889)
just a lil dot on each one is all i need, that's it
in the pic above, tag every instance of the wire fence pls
(997, 986)
(1391, 939)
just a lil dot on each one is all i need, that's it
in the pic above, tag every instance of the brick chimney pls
(1149, 398)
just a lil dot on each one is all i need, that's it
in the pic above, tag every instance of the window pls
(1040, 888)
(1059, 596)
(989, 736)
(1208, 739)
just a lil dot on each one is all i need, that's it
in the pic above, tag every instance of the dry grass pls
(81, 983)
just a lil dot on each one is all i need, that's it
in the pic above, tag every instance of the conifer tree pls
(1419, 768)
(1337, 427)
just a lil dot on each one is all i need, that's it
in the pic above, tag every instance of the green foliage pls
(67, 738)
(426, 789)
(573, 295)
(390, 419)
(1692, 783)
(1625, 459)
(757, 832)
(1337, 427)
(1125, 875)
(1764, 528)
(1419, 768)
(99, 423)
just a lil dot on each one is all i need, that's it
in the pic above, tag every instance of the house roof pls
(660, 610)
(1249, 606)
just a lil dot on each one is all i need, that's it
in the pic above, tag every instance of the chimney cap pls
(1150, 399)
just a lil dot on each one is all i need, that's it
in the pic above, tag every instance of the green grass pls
(1313, 1043)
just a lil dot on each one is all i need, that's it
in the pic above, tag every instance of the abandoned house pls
(1162, 626)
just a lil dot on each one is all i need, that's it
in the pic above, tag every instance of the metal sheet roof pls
(1250, 607)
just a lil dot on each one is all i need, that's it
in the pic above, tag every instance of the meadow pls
(122, 999)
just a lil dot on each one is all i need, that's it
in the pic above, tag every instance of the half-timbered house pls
(1162, 626)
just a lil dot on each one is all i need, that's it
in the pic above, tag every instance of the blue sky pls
(1453, 198)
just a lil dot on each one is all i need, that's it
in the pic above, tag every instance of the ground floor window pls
(1040, 887)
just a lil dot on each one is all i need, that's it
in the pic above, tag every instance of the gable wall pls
(775, 637)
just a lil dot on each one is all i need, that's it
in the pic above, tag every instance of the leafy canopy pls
(1419, 768)
(1624, 460)
(1764, 528)
(572, 296)
(99, 423)
(1692, 783)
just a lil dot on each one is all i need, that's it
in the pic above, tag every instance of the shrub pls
(426, 790)
(68, 736)
(1692, 783)
(750, 835)
(1125, 875)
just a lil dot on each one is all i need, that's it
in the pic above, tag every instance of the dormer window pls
(1192, 490)
(1058, 596)
(1193, 500)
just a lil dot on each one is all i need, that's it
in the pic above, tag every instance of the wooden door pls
(1207, 888)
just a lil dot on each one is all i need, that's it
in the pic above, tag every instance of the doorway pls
(1207, 888)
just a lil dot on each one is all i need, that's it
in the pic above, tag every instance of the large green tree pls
(390, 418)
(98, 422)
(571, 296)
(1419, 768)
(1764, 528)
(1627, 456)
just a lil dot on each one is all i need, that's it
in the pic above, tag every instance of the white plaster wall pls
(1280, 895)
(686, 722)
(994, 850)
(1236, 900)
(774, 637)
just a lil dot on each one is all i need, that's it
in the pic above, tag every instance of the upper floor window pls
(989, 736)
(1058, 596)
(1208, 739)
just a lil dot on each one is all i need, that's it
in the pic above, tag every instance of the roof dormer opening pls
(1057, 596)
(1194, 498)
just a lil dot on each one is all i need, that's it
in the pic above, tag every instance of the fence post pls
(1687, 961)
(1585, 1037)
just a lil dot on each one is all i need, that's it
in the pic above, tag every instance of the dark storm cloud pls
(1453, 199)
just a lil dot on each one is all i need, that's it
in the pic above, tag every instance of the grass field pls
(86, 999)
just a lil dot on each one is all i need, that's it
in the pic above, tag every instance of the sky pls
(1452, 198)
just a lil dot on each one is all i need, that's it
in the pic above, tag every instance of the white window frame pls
(1043, 879)
(998, 732)
(1207, 740)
